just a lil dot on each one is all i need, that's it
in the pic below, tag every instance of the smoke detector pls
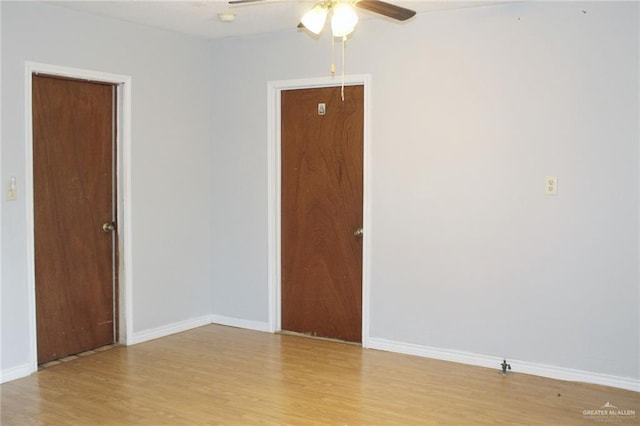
(227, 16)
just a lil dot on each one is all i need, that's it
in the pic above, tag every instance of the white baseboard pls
(570, 374)
(462, 357)
(16, 372)
(24, 370)
(240, 323)
(543, 370)
(166, 330)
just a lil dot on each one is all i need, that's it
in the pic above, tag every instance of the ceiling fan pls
(343, 17)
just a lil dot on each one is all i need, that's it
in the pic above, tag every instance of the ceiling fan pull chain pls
(333, 56)
(344, 40)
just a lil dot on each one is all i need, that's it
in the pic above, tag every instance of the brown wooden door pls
(322, 185)
(73, 135)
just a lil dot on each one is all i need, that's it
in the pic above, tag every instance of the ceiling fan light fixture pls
(314, 19)
(343, 20)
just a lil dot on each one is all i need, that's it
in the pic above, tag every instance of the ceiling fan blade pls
(384, 8)
(243, 1)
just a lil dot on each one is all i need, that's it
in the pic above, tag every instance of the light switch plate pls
(12, 191)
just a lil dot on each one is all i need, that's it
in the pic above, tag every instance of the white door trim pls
(274, 181)
(123, 177)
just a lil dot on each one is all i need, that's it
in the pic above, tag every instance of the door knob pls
(108, 227)
(358, 232)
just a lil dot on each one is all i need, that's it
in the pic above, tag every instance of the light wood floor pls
(223, 375)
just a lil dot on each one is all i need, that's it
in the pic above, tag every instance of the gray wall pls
(471, 110)
(171, 152)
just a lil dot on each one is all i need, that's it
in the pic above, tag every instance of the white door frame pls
(274, 189)
(123, 182)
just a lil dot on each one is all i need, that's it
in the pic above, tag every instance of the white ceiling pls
(199, 18)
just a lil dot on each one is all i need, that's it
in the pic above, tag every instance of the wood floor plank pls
(223, 375)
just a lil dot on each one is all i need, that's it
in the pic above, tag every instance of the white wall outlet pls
(551, 185)
(12, 192)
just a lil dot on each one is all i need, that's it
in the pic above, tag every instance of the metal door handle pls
(358, 232)
(108, 227)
